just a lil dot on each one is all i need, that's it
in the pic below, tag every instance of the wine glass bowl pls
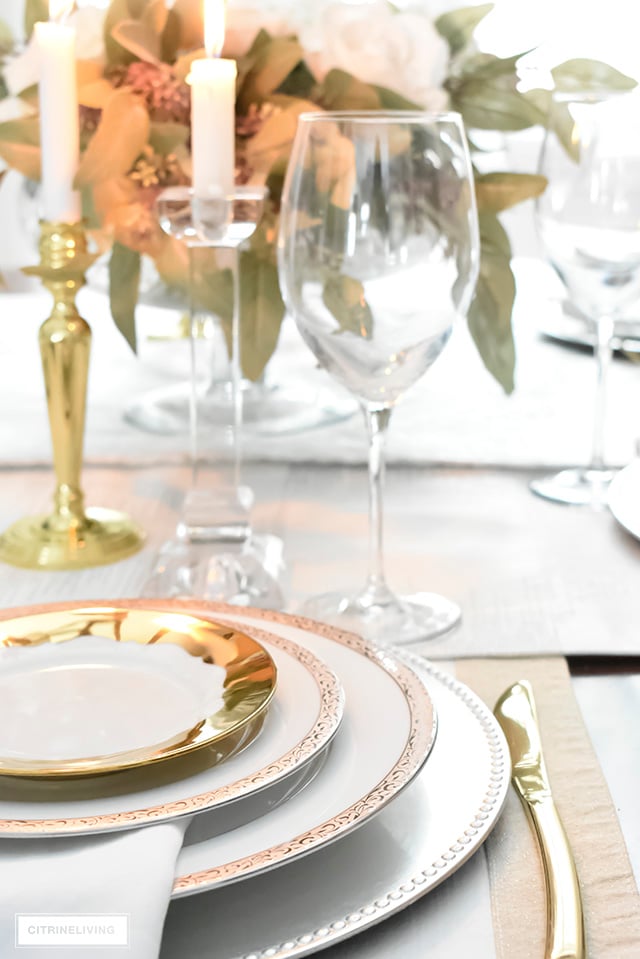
(588, 221)
(378, 256)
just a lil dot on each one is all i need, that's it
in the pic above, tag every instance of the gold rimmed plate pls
(99, 689)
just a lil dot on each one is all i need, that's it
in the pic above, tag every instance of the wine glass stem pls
(376, 591)
(604, 335)
(193, 389)
(236, 369)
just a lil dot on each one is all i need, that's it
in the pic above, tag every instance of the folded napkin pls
(69, 887)
(610, 896)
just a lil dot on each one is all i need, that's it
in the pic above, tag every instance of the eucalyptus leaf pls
(341, 91)
(499, 191)
(20, 146)
(109, 154)
(261, 313)
(34, 11)
(299, 83)
(139, 39)
(457, 26)
(558, 119)
(489, 316)
(124, 285)
(344, 298)
(495, 105)
(167, 137)
(390, 100)
(6, 38)
(587, 76)
(117, 12)
(272, 65)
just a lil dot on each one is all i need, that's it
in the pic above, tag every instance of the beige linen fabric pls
(610, 896)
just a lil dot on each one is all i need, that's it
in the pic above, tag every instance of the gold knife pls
(516, 713)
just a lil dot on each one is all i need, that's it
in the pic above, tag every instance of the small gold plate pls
(247, 687)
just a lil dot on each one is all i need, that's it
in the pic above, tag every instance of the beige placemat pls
(610, 896)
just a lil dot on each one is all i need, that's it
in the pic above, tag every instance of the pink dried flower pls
(167, 98)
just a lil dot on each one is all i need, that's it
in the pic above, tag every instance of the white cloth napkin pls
(85, 882)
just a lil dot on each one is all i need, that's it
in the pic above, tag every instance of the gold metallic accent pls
(70, 537)
(516, 713)
(249, 685)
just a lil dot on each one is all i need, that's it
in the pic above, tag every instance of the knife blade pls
(516, 714)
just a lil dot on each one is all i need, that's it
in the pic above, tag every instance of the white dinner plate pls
(303, 718)
(624, 498)
(562, 323)
(417, 841)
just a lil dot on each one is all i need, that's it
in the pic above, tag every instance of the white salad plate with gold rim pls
(303, 717)
(420, 837)
(98, 689)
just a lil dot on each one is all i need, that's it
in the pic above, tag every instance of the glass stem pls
(376, 592)
(603, 351)
(193, 390)
(236, 370)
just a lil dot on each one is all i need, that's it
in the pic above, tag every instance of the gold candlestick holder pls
(71, 537)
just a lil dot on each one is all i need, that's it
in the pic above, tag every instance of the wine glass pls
(378, 255)
(588, 221)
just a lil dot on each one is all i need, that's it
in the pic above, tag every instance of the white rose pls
(402, 51)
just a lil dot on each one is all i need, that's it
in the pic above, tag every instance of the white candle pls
(213, 111)
(59, 127)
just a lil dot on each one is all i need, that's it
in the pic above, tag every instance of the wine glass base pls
(576, 487)
(243, 574)
(267, 411)
(405, 619)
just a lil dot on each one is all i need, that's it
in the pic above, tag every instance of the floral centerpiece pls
(134, 59)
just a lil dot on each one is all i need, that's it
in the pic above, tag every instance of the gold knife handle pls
(565, 923)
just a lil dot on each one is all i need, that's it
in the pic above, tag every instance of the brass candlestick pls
(70, 537)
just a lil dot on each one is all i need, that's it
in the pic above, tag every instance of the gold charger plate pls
(248, 686)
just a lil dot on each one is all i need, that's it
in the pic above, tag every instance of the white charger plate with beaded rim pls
(416, 842)
(302, 720)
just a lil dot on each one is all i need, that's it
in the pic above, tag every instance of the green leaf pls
(6, 38)
(589, 76)
(34, 11)
(167, 137)
(490, 312)
(486, 95)
(271, 65)
(457, 26)
(20, 146)
(557, 118)
(117, 12)
(261, 313)
(109, 154)
(390, 100)
(299, 83)
(341, 91)
(499, 191)
(344, 298)
(124, 284)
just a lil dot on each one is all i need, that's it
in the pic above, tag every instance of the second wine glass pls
(588, 221)
(378, 255)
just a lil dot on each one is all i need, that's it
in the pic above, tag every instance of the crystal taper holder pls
(70, 537)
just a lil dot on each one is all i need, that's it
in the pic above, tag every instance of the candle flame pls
(59, 10)
(214, 16)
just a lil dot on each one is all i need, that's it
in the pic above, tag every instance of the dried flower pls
(167, 98)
